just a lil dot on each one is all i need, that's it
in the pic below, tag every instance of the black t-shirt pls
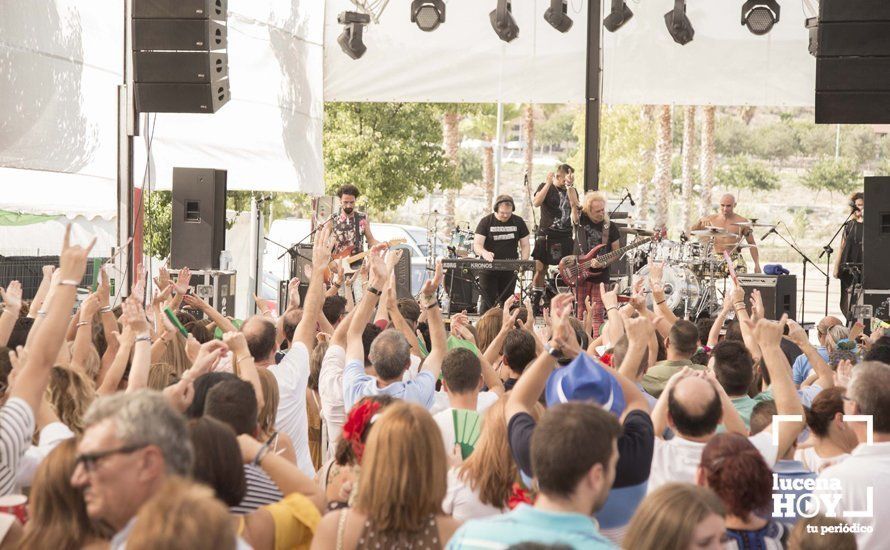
(636, 444)
(502, 238)
(593, 232)
(852, 252)
(556, 211)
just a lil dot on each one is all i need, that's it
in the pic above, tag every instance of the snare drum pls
(681, 287)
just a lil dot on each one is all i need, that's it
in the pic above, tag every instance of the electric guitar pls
(578, 268)
(345, 261)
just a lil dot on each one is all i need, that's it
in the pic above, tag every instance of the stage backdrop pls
(464, 60)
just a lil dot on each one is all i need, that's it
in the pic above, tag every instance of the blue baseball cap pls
(585, 379)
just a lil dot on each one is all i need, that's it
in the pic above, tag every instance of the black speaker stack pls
(875, 245)
(180, 63)
(853, 62)
(778, 292)
(199, 218)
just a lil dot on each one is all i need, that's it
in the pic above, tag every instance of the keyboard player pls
(501, 235)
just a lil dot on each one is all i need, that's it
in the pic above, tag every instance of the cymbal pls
(710, 232)
(742, 224)
(643, 232)
(770, 225)
(746, 245)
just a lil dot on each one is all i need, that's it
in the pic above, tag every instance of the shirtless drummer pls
(728, 220)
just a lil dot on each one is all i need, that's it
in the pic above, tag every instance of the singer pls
(850, 258)
(727, 219)
(558, 200)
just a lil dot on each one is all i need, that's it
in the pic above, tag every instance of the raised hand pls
(134, 316)
(430, 286)
(322, 246)
(639, 330)
(103, 289)
(48, 270)
(293, 294)
(768, 333)
(797, 334)
(163, 279)
(656, 272)
(738, 294)
(208, 356)
(508, 319)
(12, 295)
(139, 287)
(183, 281)
(379, 272)
(160, 297)
(181, 394)
(237, 343)
(89, 308)
(757, 309)
(73, 258)
(844, 373)
(195, 302)
(610, 298)
(563, 337)
(508, 303)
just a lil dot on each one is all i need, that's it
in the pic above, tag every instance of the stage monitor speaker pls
(851, 62)
(876, 234)
(778, 292)
(181, 98)
(199, 218)
(181, 67)
(463, 293)
(179, 9)
(403, 274)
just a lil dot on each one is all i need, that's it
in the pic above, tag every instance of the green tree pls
(744, 172)
(158, 220)
(470, 166)
(840, 175)
(392, 151)
(816, 140)
(732, 136)
(775, 141)
(555, 129)
(860, 143)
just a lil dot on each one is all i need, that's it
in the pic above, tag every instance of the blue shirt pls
(358, 384)
(802, 367)
(528, 524)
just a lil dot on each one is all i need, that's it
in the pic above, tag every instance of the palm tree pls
(528, 134)
(661, 180)
(647, 113)
(451, 135)
(688, 163)
(708, 154)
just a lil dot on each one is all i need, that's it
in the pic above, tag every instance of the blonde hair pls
(183, 516)
(175, 355)
(667, 517)
(591, 197)
(266, 416)
(161, 375)
(488, 326)
(70, 392)
(491, 470)
(835, 334)
(404, 470)
(58, 514)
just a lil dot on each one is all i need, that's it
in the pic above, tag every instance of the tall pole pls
(498, 148)
(593, 95)
(128, 127)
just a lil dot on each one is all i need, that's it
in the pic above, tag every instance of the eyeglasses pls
(91, 460)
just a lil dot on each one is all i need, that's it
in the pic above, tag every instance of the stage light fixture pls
(557, 15)
(428, 14)
(619, 15)
(678, 24)
(502, 21)
(760, 15)
(350, 39)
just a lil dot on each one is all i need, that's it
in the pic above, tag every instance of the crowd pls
(377, 423)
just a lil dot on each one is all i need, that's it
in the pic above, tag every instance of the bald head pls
(727, 204)
(260, 335)
(694, 407)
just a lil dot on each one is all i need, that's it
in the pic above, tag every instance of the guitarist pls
(351, 227)
(593, 229)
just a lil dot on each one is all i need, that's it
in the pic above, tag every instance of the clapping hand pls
(12, 296)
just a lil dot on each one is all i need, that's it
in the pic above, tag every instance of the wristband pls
(82, 323)
(432, 304)
(551, 351)
(143, 338)
(41, 312)
(661, 302)
(611, 308)
(106, 309)
(373, 290)
(261, 454)
(69, 282)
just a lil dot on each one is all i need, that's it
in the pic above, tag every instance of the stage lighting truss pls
(428, 14)
(760, 15)
(678, 25)
(557, 15)
(350, 39)
(502, 21)
(619, 15)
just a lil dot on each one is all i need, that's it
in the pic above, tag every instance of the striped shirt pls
(261, 490)
(16, 430)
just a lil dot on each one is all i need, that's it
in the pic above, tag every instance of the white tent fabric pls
(45, 238)
(464, 60)
(57, 193)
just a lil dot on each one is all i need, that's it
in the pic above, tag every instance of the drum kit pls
(692, 267)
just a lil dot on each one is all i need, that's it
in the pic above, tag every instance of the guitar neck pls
(615, 254)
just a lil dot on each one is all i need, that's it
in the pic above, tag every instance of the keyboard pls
(478, 264)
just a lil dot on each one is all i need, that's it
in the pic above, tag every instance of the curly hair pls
(737, 472)
(70, 392)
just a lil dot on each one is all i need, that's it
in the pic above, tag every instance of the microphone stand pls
(624, 198)
(806, 259)
(827, 251)
(293, 249)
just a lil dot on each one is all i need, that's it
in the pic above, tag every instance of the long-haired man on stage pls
(497, 237)
(594, 228)
(557, 199)
(850, 257)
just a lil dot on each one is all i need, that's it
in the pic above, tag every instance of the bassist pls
(593, 228)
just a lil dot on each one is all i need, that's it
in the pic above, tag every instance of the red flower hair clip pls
(357, 422)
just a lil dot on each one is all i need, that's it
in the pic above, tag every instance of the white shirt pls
(441, 402)
(292, 374)
(330, 389)
(816, 463)
(677, 459)
(445, 419)
(463, 503)
(868, 466)
(51, 435)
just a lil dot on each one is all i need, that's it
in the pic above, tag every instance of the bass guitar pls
(345, 261)
(578, 268)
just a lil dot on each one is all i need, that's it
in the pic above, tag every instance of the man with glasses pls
(131, 443)
(727, 219)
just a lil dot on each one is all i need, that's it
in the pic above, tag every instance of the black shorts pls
(549, 249)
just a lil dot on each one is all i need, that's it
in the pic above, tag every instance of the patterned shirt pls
(16, 430)
(349, 231)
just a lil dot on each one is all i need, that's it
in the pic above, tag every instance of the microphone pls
(629, 197)
(768, 233)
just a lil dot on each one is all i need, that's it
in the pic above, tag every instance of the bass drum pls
(682, 290)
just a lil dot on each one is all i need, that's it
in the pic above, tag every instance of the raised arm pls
(43, 290)
(825, 376)
(140, 366)
(12, 305)
(714, 334)
(355, 348)
(438, 337)
(195, 302)
(83, 338)
(246, 370)
(539, 197)
(286, 475)
(321, 255)
(659, 300)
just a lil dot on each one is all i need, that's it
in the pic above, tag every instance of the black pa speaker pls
(778, 292)
(165, 97)
(876, 234)
(403, 274)
(182, 67)
(199, 218)
(178, 34)
(179, 9)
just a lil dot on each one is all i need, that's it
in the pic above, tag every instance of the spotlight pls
(557, 15)
(760, 15)
(350, 39)
(502, 21)
(428, 14)
(619, 15)
(678, 24)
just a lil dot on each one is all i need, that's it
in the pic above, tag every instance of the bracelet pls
(69, 282)
(41, 312)
(143, 338)
(82, 323)
(611, 308)
(244, 358)
(432, 304)
(373, 290)
(551, 351)
(106, 309)
(737, 303)
(661, 302)
(264, 450)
